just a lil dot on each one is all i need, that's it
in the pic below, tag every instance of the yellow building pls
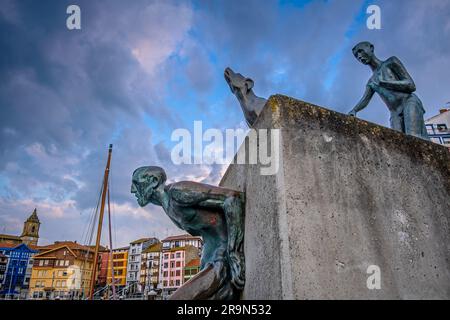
(61, 271)
(120, 261)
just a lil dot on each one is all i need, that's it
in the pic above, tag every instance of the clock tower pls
(30, 233)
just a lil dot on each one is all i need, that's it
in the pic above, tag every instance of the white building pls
(182, 241)
(438, 127)
(134, 263)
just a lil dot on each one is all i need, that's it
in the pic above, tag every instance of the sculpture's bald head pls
(364, 52)
(145, 181)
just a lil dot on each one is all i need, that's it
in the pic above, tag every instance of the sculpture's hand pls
(352, 113)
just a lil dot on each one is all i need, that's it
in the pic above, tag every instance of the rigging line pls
(92, 217)
(91, 234)
(113, 280)
(111, 183)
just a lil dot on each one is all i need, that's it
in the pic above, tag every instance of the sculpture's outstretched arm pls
(405, 84)
(189, 193)
(368, 94)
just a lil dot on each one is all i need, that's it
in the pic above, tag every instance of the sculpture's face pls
(364, 53)
(239, 85)
(142, 186)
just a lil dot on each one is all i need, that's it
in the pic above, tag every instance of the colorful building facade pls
(16, 277)
(173, 262)
(150, 263)
(134, 263)
(191, 269)
(62, 271)
(120, 261)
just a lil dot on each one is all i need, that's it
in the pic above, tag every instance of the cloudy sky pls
(137, 70)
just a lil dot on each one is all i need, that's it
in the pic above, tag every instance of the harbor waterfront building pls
(134, 263)
(176, 252)
(438, 127)
(120, 262)
(62, 270)
(17, 262)
(191, 269)
(150, 268)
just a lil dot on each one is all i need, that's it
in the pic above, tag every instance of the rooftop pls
(193, 263)
(70, 244)
(15, 245)
(142, 240)
(9, 236)
(180, 248)
(185, 236)
(122, 249)
(8, 245)
(153, 248)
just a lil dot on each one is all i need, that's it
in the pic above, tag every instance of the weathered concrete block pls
(349, 194)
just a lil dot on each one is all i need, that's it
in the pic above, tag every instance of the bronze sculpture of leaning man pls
(395, 87)
(214, 213)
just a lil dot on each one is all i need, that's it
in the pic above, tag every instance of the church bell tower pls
(30, 233)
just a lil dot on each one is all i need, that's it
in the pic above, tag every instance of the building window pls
(178, 264)
(41, 263)
(177, 283)
(177, 273)
(436, 140)
(66, 263)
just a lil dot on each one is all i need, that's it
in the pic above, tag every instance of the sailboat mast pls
(100, 222)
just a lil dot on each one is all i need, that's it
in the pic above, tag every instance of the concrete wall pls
(349, 194)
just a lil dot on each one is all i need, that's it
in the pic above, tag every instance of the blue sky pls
(137, 70)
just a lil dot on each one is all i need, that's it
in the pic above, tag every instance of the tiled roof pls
(142, 240)
(122, 249)
(8, 236)
(185, 236)
(181, 248)
(8, 245)
(14, 245)
(193, 263)
(70, 244)
(153, 248)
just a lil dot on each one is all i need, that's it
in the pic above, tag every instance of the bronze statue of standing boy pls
(395, 87)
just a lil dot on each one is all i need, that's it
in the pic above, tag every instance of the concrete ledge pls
(349, 194)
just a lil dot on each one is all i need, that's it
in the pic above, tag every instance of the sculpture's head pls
(144, 183)
(239, 85)
(364, 52)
